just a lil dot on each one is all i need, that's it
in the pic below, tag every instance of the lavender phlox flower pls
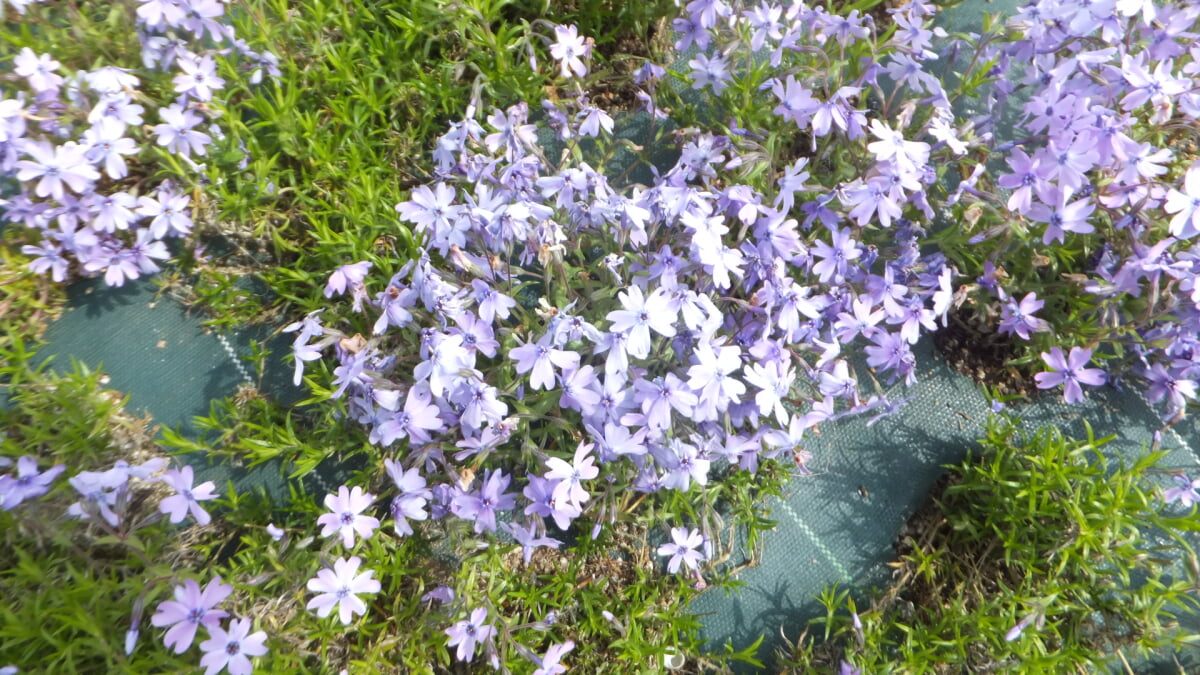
(710, 72)
(711, 378)
(161, 14)
(529, 539)
(27, 483)
(167, 211)
(116, 264)
(641, 313)
(542, 502)
(113, 212)
(191, 609)
(1158, 88)
(433, 211)
(481, 507)
(837, 382)
(1061, 217)
(346, 276)
(479, 403)
(570, 49)
(187, 497)
(891, 352)
(907, 156)
(571, 476)
(539, 358)
(37, 69)
(232, 649)
(1185, 205)
(419, 417)
(177, 132)
(683, 549)
(512, 134)
(467, 633)
(1184, 492)
(1169, 384)
(443, 595)
(100, 491)
(796, 102)
(683, 462)
(118, 106)
(550, 664)
(56, 168)
(764, 20)
(345, 517)
(340, 587)
(863, 320)
(836, 257)
(836, 112)
(616, 440)
(199, 78)
(202, 16)
(774, 381)
(690, 33)
(1070, 371)
(1018, 317)
(107, 144)
(1028, 177)
(593, 120)
(410, 503)
(662, 394)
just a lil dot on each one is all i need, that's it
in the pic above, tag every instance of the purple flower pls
(346, 515)
(410, 503)
(199, 78)
(528, 539)
(683, 549)
(56, 167)
(482, 508)
(168, 213)
(1185, 205)
(28, 483)
(542, 502)
(340, 587)
(232, 648)
(549, 664)
(712, 72)
(38, 69)
(177, 133)
(187, 498)
(466, 633)
(571, 476)
(346, 276)
(569, 49)
(538, 359)
(1069, 371)
(1184, 492)
(836, 258)
(49, 257)
(1019, 319)
(191, 609)
(492, 304)
(640, 314)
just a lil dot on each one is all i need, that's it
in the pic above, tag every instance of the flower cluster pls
(1093, 212)
(81, 143)
(193, 608)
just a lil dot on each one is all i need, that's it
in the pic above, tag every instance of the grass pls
(1039, 553)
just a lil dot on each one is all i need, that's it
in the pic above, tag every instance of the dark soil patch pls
(971, 347)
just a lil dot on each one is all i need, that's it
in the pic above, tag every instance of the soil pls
(972, 348)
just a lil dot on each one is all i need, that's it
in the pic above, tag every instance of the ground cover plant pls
(1038, 553)
(552, 331)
